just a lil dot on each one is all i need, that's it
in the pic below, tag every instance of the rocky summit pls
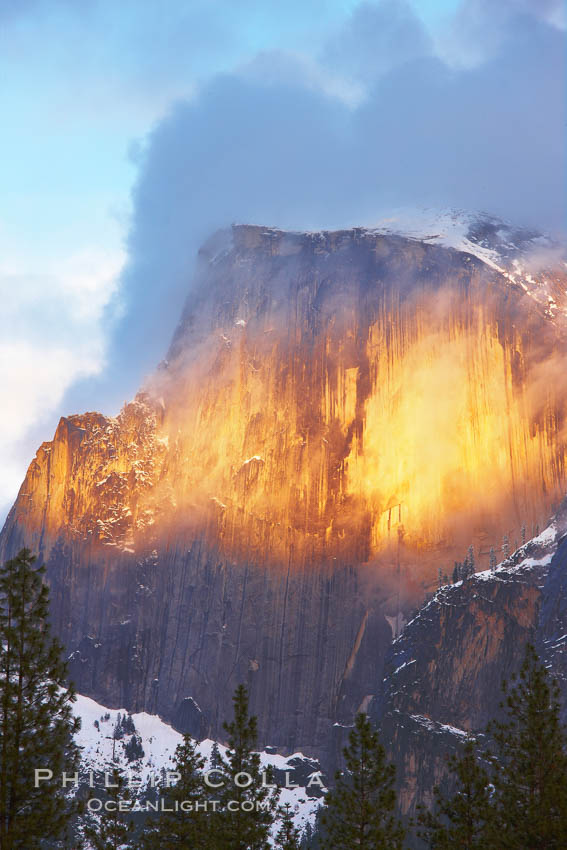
(340, 416)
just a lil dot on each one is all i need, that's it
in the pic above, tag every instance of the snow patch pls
(401, 667)
(435, 726)
(101, 752)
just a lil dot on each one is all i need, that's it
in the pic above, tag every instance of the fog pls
(270, 144)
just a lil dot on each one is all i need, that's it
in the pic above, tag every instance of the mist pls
(380, 111)
(271, 144)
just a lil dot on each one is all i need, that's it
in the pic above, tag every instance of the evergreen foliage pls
(521, 802)
(133, 749)
(312, 838)
(358, 812)
(246, 824)
(461, 820)
(216, 761)
(111, 830)
(36, 720)
(288, 836)
(530, 763)
(306, 838)
(128, 724)
(118, 732)
(174, 830)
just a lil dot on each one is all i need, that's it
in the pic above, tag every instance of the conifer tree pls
(133, 749)
(306, 838)
(461, 820)
(128, 724)
(288, 836)
(36, 720)
(248, 804)
(216, 758)
(313, 835)
(492, 559)
(118, 732)
(530, 762)
(180, 828)
(112, 829)
(505, 547)
(358, 812)
(469, 560)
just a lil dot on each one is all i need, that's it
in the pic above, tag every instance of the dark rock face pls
(267, 503)
(147, 635)
(552, 626)
(444, 674)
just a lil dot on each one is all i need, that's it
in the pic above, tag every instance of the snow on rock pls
(435, 726)
(527, 259)
(537, 552)
(101, 751)
(496, 242)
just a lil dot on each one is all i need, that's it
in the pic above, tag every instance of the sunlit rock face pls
(339, 416)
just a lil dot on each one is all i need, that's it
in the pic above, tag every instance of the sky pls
(131, 131)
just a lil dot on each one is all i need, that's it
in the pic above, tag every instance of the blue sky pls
(80, 82)
(102, 102)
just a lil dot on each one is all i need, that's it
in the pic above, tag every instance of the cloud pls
(480, 28)
(332, 133)
(52, 335)
(376, 38)
(267, 144)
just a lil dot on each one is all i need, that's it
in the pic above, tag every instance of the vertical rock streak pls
(339, 415)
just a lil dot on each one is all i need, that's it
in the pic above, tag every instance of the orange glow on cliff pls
(332, 397)
(431, 421)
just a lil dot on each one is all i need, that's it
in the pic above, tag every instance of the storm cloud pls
(280, 142)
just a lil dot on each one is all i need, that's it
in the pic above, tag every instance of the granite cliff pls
(339, 415)
(443, 675)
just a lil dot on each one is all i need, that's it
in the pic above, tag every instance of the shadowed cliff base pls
(443, 676)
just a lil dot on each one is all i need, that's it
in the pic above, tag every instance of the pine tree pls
(463, 819)
(288, 836)
(492, 559)
(216, 760)
(36, 720)
(307, 837)
(133, 749)
(523, 533)
(505, 547)
(253, 805)
(112, 829)
(128, 724)
(359, 811)
(118, 732)
(314, 834)
(530, 762)
(469, 560)
(183, 828)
